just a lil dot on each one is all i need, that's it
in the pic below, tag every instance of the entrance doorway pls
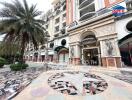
(63, 57)
(90, 56)
(90, 49)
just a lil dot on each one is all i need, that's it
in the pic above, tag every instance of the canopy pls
(59, 48)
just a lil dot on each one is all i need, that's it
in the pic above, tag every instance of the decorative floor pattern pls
(77, 83)
(12, 83)
(124, 76)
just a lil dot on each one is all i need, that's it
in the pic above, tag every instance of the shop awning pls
(59, 48)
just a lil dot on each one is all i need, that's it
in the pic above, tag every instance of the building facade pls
(96, 33)
(55, 25)
(86, 32)
(124, 30)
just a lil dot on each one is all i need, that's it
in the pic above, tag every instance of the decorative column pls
(77, 58)
(55, 58)
(71, 54)
(39, 56)
(110, 53)
(82, 60)
(75, 54)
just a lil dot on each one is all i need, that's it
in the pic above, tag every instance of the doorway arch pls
(90, 49)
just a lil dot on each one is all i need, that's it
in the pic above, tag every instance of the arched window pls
(129, 26)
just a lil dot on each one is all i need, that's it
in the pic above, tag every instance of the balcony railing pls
(87, 15)
(85, 3)
(89, 8)
(80, 1)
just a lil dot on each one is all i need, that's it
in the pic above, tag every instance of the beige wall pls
(104, 29)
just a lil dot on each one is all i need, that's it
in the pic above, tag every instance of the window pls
(87, 9)
(64, 16)
(64, 24)
(57, 11)
(57, 20)
(56, 28)
(64, 7)
(46, 26)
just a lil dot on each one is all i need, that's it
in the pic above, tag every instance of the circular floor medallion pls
(77, 83)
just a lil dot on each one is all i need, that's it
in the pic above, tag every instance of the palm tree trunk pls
(22, 53)
(22, 50)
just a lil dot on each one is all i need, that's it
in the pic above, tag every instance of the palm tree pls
(20, 25)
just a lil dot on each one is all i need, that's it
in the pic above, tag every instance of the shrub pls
(18, 66)
(15, 67)
(24, 66)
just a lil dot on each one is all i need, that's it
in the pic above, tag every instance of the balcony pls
(57, 29)
(85, 3)
(56, 35)
(87, 15)
(80, 1)
(57, 20)
(64, 8)
(89, 8)
(87, 11)
(57, 11)
(64, 17)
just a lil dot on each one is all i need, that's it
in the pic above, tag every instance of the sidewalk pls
(40, 90)
(5, 68)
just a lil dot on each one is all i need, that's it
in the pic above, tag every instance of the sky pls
(42, 5)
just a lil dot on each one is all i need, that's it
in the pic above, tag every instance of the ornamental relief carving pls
(105, 30)
(73, 38)
(108, 48)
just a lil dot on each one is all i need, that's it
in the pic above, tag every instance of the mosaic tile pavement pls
(76, 85)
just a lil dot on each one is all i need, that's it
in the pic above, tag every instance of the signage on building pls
(100, 4)
(119, 9)
(109, 3)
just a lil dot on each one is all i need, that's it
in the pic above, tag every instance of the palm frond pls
(20, 24)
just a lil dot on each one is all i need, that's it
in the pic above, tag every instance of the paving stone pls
(11, 83)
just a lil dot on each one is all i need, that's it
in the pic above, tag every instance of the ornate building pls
(96, 35)
(55, 24)
(86, 32)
